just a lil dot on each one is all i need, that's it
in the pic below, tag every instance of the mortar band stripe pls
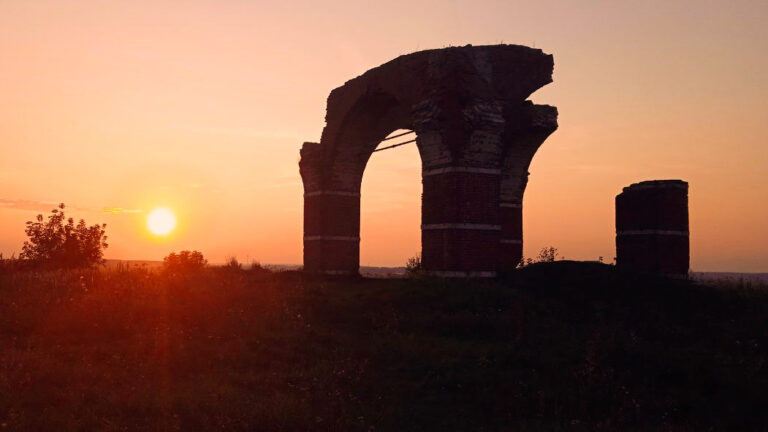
(462, 226)
(339, 238)
(653, 231)
(329, 192)
(511, 241)
(472, 170)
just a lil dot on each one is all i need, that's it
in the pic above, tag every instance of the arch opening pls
(390, 203)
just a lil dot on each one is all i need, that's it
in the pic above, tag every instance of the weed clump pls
(413, 265)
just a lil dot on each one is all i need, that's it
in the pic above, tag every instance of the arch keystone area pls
(476, 134)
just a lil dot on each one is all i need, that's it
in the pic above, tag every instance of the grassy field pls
(560, 346)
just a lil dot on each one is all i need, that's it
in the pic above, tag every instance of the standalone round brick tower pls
(652, 227)
(476, 133)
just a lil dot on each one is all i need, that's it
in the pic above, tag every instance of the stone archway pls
(476, 134)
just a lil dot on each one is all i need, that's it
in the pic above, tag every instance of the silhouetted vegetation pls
(184, 262)
(547, 254)
(413, 265)
(555, 346)
(233, 264)
(257, 268)
(9, 264)
(60, 243)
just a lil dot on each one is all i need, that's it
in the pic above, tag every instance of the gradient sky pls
(202, 106)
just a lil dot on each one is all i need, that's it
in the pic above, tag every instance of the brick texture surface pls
(652, 227)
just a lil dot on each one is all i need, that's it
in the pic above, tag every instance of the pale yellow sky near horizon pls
(202, 107)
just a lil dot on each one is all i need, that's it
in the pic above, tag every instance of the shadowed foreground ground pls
(555, 346)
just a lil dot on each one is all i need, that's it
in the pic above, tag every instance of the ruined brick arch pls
(369, 121)
(476, 135)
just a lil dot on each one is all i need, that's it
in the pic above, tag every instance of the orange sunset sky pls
(202, 106)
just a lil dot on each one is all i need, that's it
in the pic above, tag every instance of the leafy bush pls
(184, 262)
(547, 254)
(59, 243)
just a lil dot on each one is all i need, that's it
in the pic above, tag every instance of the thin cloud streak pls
(45, 206)
(119, 210)
(24, 204)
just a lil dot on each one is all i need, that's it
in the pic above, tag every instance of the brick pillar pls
(331, 218)
(460, 221)
(528, 126)
(652, 227)
(460, 148)
(332, 232)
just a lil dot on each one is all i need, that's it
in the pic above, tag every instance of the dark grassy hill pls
(576, 346)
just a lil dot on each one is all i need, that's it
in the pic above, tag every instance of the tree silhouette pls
(59, 243)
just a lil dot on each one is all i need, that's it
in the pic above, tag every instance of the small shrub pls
(546, 254)
(184, 262)
(413, 265)
(233, 264)
(524, 262)
(256, 267)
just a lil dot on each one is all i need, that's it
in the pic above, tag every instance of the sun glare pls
(161, 221)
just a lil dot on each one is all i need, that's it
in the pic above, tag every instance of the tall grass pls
(554, 346)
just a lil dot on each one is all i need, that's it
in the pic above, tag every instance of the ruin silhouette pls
(476, 134)
(652, 227)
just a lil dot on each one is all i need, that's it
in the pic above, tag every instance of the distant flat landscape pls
(397, 272)
(712, 276)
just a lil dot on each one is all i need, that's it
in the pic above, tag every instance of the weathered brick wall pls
(450, 252)
(332, 256)
(460, 197)
(652, 232)
(460, 219)
(511, 242)
(331, 231)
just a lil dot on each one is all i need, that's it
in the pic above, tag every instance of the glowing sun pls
(161, 221)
